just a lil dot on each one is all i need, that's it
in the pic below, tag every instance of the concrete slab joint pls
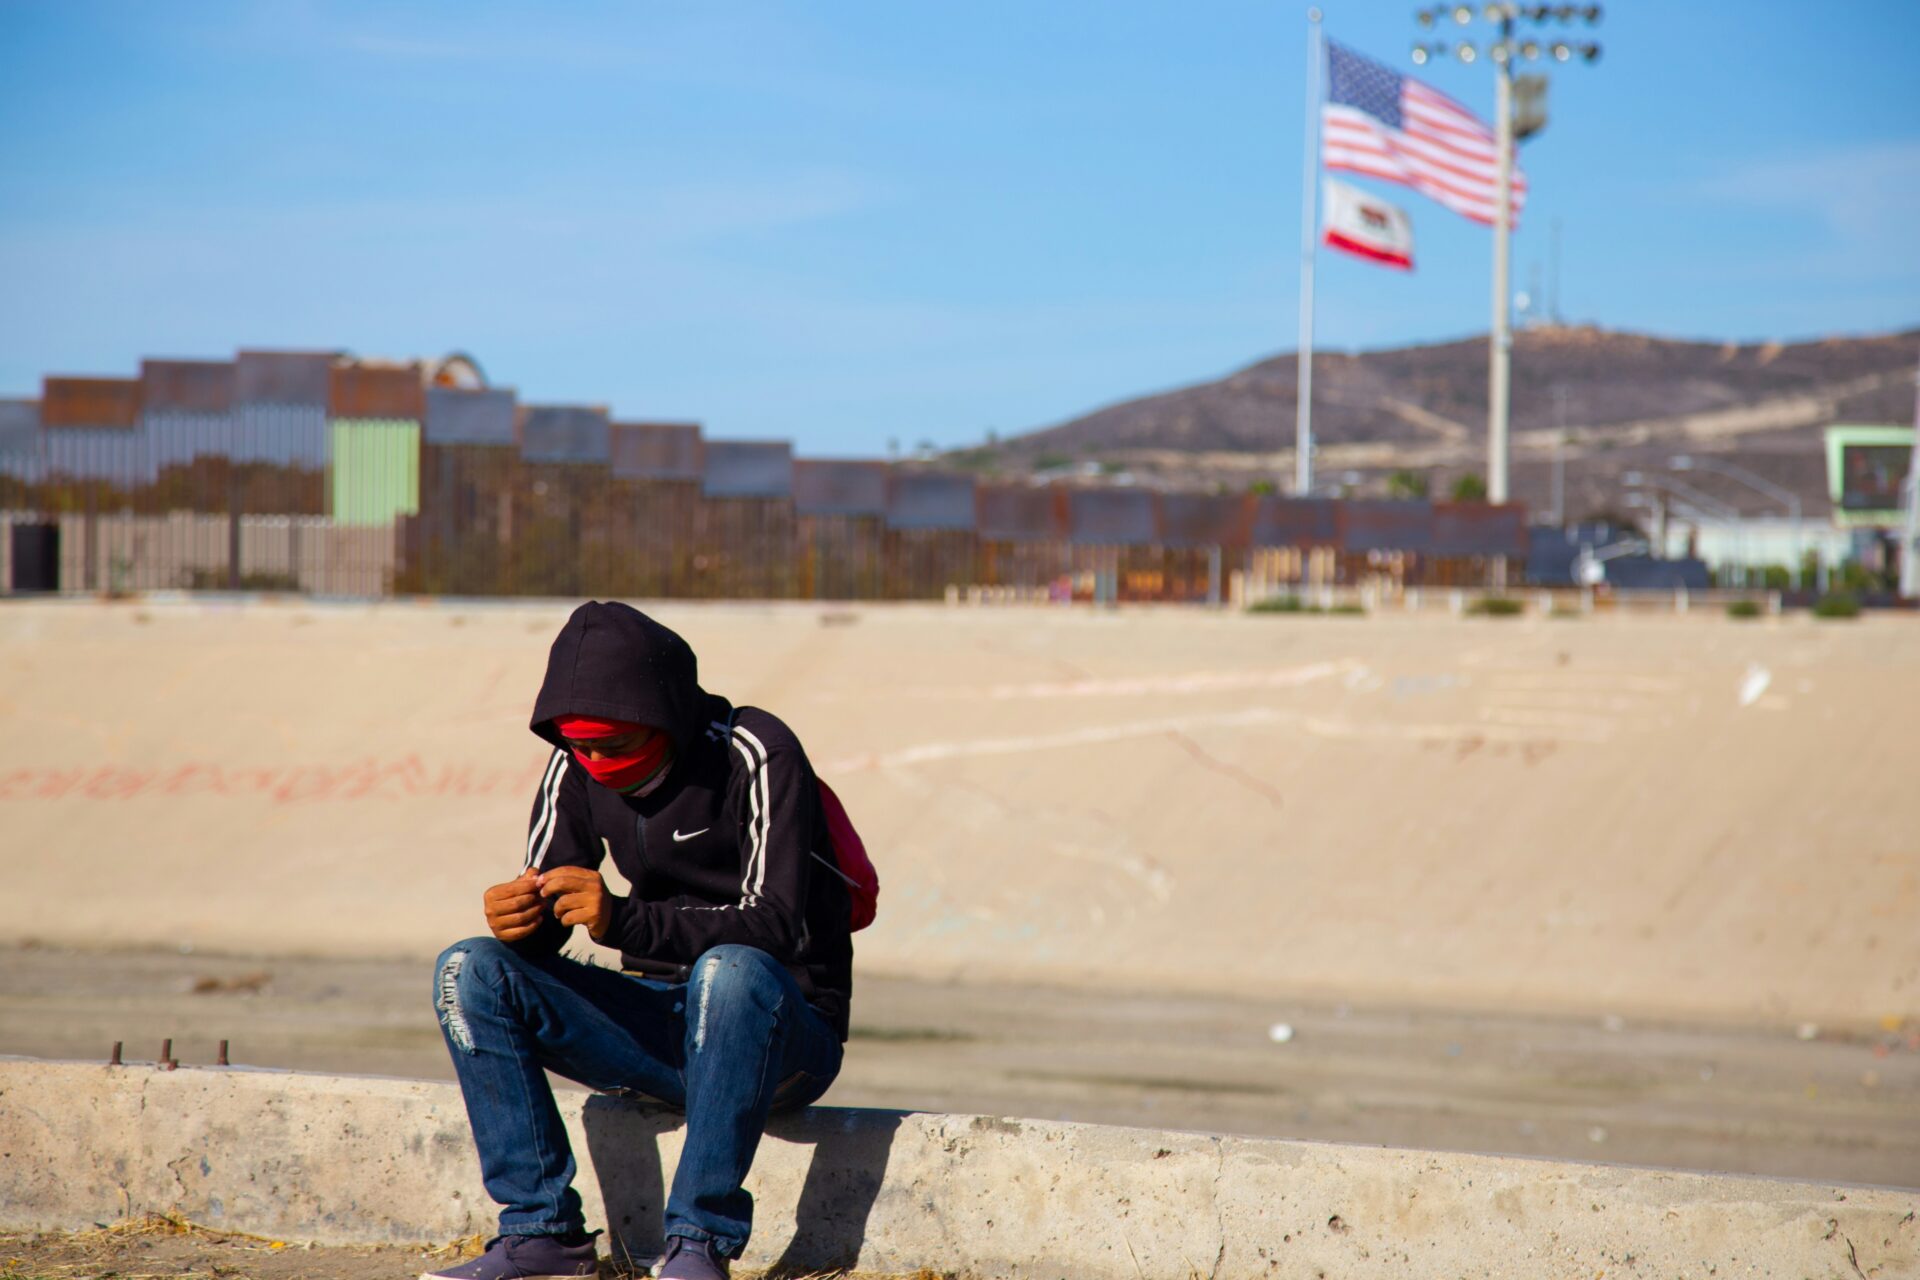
(363, 1160)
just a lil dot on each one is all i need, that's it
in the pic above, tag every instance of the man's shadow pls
(850, 1152)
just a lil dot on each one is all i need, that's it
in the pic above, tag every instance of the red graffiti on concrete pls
(407, 778)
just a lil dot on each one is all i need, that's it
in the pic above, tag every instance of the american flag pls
(1386, 125)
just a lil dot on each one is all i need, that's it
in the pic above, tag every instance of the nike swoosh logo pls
(677, 837)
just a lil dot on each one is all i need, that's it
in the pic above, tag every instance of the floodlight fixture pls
(1519, 114)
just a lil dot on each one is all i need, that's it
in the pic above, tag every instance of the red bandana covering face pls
(632, 771)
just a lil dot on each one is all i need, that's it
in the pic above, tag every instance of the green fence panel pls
(375, 470)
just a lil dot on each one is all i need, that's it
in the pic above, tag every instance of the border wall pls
(311, 472)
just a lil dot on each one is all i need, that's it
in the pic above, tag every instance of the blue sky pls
(853, 221)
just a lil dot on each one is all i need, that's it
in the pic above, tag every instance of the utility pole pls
(1503, 51)
(1560, 454)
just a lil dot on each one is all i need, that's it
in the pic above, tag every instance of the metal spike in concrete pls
(334, 1159)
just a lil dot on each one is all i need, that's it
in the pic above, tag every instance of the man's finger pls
(554, 883)
(511, 899)
(512, 919)
(514, 934)
(578, 913)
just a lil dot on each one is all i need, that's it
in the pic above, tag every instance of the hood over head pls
(613, 661)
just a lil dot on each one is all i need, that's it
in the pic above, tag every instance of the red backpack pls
(850, 855)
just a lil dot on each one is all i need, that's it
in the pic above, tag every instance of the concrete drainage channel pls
(352, 1160)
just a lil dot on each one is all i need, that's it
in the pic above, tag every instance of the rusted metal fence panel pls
(922, 563)
(1191, 520)
(841, 530)
(460, 542)
(1478, 529)
(186, 386)
(456, 416)
(842, 556)
(745, 548)
(1295, 522)
(834, 488)
(1368, 524)
(282, 377)
(1020, 513)
(1110, 517)
(563, 433)
(931, 500)
(656, 450)
(377, 392)
(99, 404)
(748, 469)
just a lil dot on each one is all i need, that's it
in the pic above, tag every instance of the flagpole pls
(1309, 194)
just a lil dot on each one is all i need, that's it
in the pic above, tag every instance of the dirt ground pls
(1683, 818)
(157, 1248)
(1628, 889)
(1838, 1105)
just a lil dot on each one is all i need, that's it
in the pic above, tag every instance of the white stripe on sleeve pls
(553, 813)
(763, 802)
(546, 810)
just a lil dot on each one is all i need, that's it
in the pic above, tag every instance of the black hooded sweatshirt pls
(730, 847)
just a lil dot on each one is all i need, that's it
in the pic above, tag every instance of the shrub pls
(1744, 609)
(1837, 605)
(1294, 604)
(1496, 607)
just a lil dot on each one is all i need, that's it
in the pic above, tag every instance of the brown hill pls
(1630, 397)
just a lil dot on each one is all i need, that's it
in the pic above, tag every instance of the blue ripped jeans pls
(720, 1045)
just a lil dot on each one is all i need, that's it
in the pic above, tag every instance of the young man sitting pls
(736, 958)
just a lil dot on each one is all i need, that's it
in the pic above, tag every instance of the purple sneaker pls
(526, 1258)
(691, 1260)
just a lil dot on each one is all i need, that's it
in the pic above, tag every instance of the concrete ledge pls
(351, 1159)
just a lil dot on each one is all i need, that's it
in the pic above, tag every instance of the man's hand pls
(515, 909)
(579, 896)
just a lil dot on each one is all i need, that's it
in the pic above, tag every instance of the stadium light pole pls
(1503, 51)
(1759, 484)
